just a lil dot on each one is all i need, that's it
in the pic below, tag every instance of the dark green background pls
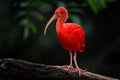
(22, 24)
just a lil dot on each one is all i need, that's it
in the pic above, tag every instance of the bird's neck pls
(59, 24)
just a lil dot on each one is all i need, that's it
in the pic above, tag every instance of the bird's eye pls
(61, 12)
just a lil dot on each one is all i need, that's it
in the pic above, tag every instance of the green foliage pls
(27, 18)
(97, 5)
(76, 8)
(33, 28)
(26, 32)
(75, 18)
(28, 14)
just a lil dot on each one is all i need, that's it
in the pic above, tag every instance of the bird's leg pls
(77, 68)
(70, 65)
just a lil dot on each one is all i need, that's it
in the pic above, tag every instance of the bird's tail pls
(82, 49)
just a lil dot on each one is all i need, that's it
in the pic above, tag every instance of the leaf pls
(60, 3)
(103, 3)
(76, 10)
(73, 4)
(24, 4)
(23, 22)
(93, 6)
(33, 28)
(26, 32)
(38, 15)
(75, 19)
(38, 3)
(20, 14)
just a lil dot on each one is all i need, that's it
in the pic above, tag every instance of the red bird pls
(70, 35)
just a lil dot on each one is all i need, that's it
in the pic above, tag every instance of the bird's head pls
(60, 12)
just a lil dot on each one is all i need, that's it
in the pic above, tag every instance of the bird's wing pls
(79, 33)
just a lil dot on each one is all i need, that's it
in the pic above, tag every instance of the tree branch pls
(19, 69)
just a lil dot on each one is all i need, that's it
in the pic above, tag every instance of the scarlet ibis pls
(70, 35)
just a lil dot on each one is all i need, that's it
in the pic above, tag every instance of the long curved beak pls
(49, 22)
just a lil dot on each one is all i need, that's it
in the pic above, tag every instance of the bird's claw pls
(70, 66)
(78, 70)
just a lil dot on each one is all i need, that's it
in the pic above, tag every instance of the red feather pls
(70, 35)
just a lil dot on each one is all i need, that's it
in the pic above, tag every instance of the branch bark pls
(19, 69)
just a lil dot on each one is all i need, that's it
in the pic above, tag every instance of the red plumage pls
(70, 35)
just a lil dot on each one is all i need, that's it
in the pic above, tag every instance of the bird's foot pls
(78, 70)
(69, 67)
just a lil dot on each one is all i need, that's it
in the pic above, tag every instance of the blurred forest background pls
(22, 23)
